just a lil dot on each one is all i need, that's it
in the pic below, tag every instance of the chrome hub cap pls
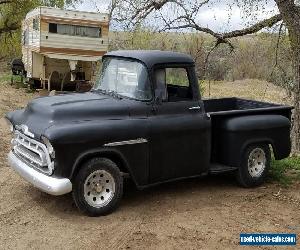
(256, 162)
(99, 188)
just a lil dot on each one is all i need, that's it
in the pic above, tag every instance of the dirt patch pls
(206, 213)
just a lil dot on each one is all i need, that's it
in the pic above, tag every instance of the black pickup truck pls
(144, 119)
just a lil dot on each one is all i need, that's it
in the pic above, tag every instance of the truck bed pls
(234, 106)
(225, 108)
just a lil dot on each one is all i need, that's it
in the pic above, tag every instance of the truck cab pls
(169, 103)
(144, 119)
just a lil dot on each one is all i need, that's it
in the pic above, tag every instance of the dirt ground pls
(206, 213)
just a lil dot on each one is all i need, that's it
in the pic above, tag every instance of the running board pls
(219, 168)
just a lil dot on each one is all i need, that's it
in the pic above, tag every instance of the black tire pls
(244, 177)
(97, 164)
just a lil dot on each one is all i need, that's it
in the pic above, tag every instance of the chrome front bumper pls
(48, 184)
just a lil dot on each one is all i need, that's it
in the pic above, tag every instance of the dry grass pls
(251, 89)
(12, 98)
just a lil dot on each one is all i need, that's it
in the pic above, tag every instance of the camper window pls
(74, 30)
(36, 24)
(52, 27)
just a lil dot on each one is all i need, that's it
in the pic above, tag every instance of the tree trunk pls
(290, 13)
(294, 37)
(296, 94)
(296, 103)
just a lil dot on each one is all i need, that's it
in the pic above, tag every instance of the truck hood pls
(44, 112)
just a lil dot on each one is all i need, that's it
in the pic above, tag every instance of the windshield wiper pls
(102, 91)
(109, 92)
(114, 94)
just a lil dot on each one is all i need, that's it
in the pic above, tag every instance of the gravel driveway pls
(207, 213)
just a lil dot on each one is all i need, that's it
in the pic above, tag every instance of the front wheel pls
(98, 187)
(255, 164)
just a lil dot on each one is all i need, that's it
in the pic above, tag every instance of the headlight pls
(11, 126)
(49, 146)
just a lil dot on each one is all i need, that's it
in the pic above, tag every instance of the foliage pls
(4, 78)
(11, 15)
(254, 56)
(285, 171)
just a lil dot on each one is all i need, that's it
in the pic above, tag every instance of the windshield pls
(124, 77)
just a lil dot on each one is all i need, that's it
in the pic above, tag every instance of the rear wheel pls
(98, 187)
(254, 166)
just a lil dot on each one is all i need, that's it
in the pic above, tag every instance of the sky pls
(218, 16)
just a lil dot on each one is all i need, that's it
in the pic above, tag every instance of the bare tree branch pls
(5, 1)
(188, 19)
(267, 23)
(188, 16)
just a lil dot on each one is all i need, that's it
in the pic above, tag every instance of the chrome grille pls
(32, 152)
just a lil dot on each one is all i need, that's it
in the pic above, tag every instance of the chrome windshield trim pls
(129, 142)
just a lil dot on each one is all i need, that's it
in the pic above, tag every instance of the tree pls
(184, 16)
(12, 12)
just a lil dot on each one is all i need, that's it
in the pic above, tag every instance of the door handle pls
(195, 108)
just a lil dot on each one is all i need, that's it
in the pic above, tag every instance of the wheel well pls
(267, 143)
(117, 159)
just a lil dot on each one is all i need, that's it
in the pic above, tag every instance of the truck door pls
(180, 129)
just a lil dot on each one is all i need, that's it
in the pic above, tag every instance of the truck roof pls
(153, 57)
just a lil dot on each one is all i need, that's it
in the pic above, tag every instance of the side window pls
(173, 84)
(177, 77)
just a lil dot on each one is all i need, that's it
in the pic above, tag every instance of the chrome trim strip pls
(129, 142)
(25, 130)
(50, 185)
(195, 108)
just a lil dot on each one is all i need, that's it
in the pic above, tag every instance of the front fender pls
(110, 153)
(77, 141)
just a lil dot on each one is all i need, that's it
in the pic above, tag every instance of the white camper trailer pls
(62, 47)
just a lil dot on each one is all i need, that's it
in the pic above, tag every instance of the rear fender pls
(238, 133)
